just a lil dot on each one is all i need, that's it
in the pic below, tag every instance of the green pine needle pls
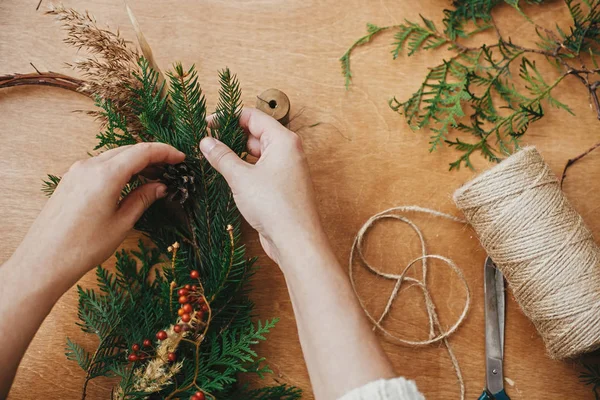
(49, 184)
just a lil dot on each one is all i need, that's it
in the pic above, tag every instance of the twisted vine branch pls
(49, 78)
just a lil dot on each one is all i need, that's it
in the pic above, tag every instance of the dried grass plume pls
(109, 64)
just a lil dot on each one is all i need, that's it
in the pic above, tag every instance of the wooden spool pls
(276, 104)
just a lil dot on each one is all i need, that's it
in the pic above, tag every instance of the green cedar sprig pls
(495, 91)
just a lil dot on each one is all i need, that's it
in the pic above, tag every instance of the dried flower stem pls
(173, 248)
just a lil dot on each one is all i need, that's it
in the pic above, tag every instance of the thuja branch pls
(510, 102)
(44, 79)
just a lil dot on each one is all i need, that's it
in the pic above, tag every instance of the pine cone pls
(180, 181)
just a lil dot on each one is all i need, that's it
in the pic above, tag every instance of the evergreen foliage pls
(140, 297)
(591, 376)
(495, 91)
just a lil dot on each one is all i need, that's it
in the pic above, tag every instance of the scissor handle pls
(501, 395)
(485, 396)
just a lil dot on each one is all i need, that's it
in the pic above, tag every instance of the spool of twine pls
(276, 104)
(543, 248)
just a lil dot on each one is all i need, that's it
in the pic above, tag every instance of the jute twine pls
(543, 248)
(436, 332)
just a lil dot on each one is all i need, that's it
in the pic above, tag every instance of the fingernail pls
(161, 191)
(207, 144)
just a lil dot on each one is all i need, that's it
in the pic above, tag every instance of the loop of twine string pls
(436, 331)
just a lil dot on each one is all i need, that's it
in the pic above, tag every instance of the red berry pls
(200, 315)
(135, 347)
(194, 274)
(147, 343)
(204, 307)
(199, 396)
(180, 312)
(177, 328)
(132, 358)
(183, 299)
(186, 317)
(187, 308)
(188, 287)
(172, 357)
(182, 292)
(194, 288)
(161, 335)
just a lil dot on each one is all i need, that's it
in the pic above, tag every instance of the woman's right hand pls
(275, 195)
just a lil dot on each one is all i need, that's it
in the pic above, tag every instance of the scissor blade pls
(494, 326)
(500, 306)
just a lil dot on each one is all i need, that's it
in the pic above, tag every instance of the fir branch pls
(116, 132)
(150, 106)
(188, 110)
(49, 185)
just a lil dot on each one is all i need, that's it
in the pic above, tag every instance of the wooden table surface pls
(363, 158)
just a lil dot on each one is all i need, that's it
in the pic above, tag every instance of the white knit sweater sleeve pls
(385, 389)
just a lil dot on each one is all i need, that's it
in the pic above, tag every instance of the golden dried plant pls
(109, 66)
(159, 372)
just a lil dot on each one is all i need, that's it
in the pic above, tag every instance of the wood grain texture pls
(363, 158)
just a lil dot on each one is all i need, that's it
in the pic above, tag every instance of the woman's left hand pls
(83, 222)
(79, 227)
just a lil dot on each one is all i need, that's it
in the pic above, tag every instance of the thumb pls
(135, 203)
(222, 158)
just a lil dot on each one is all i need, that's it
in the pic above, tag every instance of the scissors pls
(494, 332)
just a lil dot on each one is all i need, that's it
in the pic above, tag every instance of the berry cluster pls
(137, 354)
(193, 304)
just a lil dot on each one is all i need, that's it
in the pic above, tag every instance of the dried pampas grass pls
(109, 67)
